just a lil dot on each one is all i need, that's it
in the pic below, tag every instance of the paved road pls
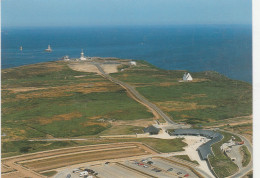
(249, 167)
(139, 97)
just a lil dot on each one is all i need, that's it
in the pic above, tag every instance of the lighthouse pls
(82, 57)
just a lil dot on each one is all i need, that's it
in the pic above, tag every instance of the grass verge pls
(246, 156)
(222, 164)
(50, 173)
(186, 158)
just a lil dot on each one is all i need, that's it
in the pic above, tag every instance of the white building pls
(48, 49)
(133, 63)
(66, 58)
(187, 77)
(82, 57)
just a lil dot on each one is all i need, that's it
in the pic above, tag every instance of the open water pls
(223, 48)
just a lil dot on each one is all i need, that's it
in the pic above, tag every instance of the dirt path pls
(234, 121)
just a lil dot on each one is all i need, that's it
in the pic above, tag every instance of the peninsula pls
(126, 110)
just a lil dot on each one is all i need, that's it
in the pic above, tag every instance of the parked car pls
(186, 175)
(150, 162)
(145, 166)
(170, 169)
(158, 170)
(75, 170)
(68, 176)
(179, 173)
(90, 171)
(107, 162)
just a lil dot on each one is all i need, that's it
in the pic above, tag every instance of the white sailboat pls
(21, 48)
(48, 49)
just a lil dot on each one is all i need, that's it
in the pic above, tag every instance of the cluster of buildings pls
(204, 150)
(82, 57)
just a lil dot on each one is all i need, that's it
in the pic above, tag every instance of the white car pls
(84, 173)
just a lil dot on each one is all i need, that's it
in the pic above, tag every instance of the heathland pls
(50, 100)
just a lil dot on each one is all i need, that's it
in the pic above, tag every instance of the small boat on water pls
(21, 48)
(48, 49)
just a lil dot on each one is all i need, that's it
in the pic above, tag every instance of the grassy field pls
(51, 100)
(12, 148)
(186, 158)
(222, 164)
(50, 173)
(243, 129)
(48, 100)
(209, 97)
(246, 156)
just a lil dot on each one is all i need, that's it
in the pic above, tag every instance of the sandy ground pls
(89, 67)
(110, 68)
(191, 150)
(84, 67)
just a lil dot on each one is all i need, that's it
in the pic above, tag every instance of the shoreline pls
(115, 58)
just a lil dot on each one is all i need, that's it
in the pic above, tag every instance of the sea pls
(226, 49)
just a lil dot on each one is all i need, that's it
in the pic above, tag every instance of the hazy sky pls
(124, 12)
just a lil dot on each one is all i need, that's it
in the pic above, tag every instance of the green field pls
(209, 97)
(12, 148)
(51, 100)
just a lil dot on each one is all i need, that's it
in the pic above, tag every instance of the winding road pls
(139, 97)
(174, 125)
(249, 167)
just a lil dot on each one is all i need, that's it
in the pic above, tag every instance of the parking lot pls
(148, 167)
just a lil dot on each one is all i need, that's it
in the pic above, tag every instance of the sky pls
(41, 13)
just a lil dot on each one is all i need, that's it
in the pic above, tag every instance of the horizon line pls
(132, 25)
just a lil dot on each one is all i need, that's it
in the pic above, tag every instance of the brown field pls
(60, 117)
(181, 106)
(63, 90)
(30, 164)
(61, 161)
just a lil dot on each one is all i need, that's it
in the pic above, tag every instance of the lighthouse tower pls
(82, 57)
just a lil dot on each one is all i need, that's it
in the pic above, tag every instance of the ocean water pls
(223, 48)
